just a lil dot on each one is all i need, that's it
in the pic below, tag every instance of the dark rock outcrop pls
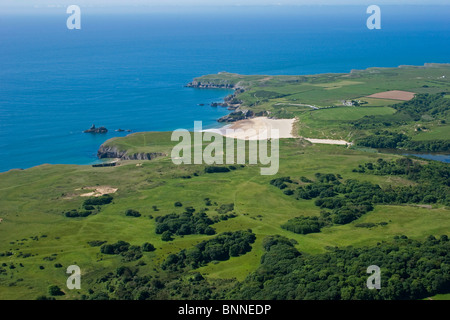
(114, 152)
(236, 116)
(242, 115)
(219, 104)
(100, 165)
(209, 85)
(93, 129)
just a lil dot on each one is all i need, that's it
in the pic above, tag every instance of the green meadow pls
(38, 241)
(36, 232)
(325, 90)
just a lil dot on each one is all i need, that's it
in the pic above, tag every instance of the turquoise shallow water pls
(129, 71)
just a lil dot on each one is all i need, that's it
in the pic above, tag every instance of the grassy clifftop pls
(263, 92)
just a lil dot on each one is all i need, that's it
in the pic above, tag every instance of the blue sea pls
(128, 70)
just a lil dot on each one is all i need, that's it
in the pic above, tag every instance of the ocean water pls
(129, 70)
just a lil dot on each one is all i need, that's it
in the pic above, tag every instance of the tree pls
(148, 247)
(166, 236)
(209, 231)
(132, 213)
(55, 291)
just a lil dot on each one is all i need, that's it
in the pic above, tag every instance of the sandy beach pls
(259, 126)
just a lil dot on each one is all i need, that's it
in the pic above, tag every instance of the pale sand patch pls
(98, 191)
(328, 141)
(255, 129)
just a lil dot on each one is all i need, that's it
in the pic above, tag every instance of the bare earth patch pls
(393, 95)
(97, 191)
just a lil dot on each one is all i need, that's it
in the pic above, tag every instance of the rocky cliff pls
(114, 152)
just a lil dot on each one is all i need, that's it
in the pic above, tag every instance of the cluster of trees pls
(424, 107)
(304, 225)
(127, 251)
(381, 121)
(125, 283)
(435, 106)
(382, 139)
(426, 146)
(98, 201)
(432, 172)
(280, 183)
(88, 206)
(184, 223)
(409, 270)
(75, 213)
(349, 200)
(190, 222)
(220, 248)
(392, 140)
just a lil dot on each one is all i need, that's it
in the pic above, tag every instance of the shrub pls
(281, 182)
(224, 208)
(148, 247)
(304, 225)
(75, 213)
(213, 169)
(116, 248)
(166, 236)
(98, 201)
(55, 291)
(132, 213)
(183, 224)
(219, 248)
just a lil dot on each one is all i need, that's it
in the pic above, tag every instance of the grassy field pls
(35, 235)
(433, 132)
(330, 89)
(32, 202)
